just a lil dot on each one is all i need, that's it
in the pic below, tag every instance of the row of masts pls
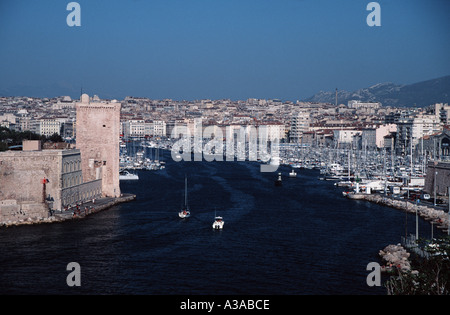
(363, 163)
(139, 155)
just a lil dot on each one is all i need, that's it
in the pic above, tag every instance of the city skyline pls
(225, 49)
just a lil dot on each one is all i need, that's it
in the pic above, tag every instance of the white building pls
(134, 128)
(413, 129)
(344, 137)
(47, 126)
(442, 113)
(8, 117)
(363, 105)
(159, 128)
(275, 131)
(373, 138)
(300, 122)
(65, 103)
(24, 121)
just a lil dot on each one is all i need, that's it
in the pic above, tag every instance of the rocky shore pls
(73, 213)
(395, 257)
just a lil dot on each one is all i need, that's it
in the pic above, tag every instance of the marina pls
(143, 155)
(301, 238)
(370, 175)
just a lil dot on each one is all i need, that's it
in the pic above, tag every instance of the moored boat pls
(125, 175)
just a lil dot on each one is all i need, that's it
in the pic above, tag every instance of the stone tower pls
(97, 137)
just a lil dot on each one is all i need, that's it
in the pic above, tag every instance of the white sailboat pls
(185, 212)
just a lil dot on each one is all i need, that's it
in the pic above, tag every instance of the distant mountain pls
(389, 94)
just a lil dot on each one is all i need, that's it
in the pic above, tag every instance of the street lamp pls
(432, 230)
(435, 173)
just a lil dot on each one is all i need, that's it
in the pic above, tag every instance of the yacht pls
(125, 175)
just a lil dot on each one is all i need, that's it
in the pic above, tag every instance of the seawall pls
(74, 213)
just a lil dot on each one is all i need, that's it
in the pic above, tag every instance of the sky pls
(218, 49)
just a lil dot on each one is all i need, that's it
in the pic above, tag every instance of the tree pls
(55, 138)
(11, 137)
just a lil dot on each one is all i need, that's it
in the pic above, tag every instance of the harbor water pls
(300, 238)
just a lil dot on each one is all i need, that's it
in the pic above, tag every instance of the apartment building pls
(300, 122)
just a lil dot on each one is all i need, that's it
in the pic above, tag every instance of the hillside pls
(390, 94)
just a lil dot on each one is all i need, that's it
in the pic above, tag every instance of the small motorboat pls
(292, 174)
(125, 175)
(218, 223)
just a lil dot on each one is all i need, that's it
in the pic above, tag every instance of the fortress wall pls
(442, 178)
(97, 137)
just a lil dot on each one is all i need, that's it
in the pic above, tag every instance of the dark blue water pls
(301, 238)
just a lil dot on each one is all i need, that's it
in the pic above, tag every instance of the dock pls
(93, 206)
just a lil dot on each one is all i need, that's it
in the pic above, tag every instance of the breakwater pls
(438, 217)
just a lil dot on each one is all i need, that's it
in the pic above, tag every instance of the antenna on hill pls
(336, 98)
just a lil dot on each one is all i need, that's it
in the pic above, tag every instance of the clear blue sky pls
(195, 49)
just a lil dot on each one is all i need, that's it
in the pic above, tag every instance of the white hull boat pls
(218, 223)
(185, 213)
(125, 175)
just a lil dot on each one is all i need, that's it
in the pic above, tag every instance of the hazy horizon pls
(222, 49)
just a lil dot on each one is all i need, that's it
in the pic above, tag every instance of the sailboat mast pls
(349, 164)
(412, 164)
(185, 191)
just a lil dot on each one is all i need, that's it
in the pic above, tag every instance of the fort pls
(438, 173)
(97, 138)
(36, 182)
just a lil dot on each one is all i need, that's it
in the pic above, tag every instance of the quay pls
(75, 212)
